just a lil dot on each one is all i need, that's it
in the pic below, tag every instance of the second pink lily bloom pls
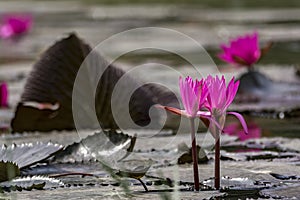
(242, 51)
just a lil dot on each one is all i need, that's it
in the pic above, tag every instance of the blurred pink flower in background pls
(15, 25)
(242, 51)
(235, 129)
(3, 95)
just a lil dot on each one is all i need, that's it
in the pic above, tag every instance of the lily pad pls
(61, 169)
(257, 155)
(285, 177)
(104, 146)
(285, 192)
(29, 183)
(133, 168)
(239, 187)
(27, 154)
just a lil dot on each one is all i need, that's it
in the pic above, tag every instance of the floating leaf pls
(63, 169)
(238, 186)
(285, 177)
(257, 155)
(110, 148)
(27, 154)
(106, 146)
(8, 171)
(133, 168)
(29, 183)
(63, 61)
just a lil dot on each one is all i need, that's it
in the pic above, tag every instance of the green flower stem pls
(194, 155)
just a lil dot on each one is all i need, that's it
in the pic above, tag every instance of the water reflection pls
(235, 129)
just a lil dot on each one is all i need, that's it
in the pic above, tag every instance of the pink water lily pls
(220, 97)
(15, 25)
(193, 94)
(209, 100)
(242, 51)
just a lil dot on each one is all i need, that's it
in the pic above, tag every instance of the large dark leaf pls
(52, 79)
(27, 154)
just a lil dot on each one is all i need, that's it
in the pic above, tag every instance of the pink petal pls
(241, 119)
(231, 91)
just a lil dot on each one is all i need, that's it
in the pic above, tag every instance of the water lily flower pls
(3, 95)
(242, 51)
(193, 94)
(219, 99)
(15, 25)
(207, 99)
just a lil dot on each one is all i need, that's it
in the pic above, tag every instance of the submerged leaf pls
(8, 171)
(27, 154)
